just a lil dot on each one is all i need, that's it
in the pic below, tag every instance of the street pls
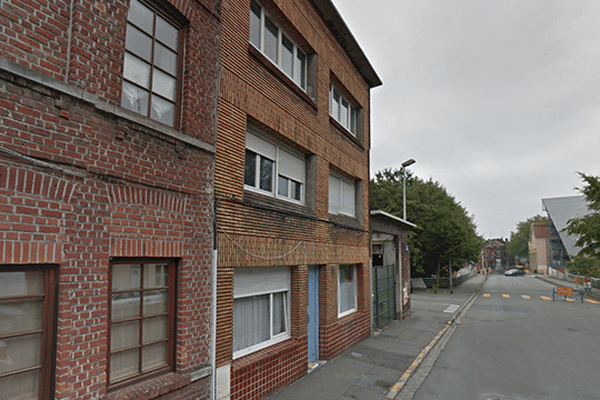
(514, 342)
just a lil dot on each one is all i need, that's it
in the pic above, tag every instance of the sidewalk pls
(373, 368)
(593, 294)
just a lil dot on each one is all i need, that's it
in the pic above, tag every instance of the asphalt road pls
(515, 343)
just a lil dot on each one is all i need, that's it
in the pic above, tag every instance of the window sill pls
(345, 221)
(281, 75)
(276, 204)
(346, 132)
(261, 346)
(151, 388)
(347, 313)
(118, 111)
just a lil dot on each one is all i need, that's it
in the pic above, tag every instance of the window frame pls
(350, 120)
(339, 206)
(265, 17)
(170, 313)
(260, 290)
(177, 22)
(355, 290)
(47, 330)
(277, 154)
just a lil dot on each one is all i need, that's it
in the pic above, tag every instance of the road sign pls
(564, 291)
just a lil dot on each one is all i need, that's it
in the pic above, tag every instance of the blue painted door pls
(313, 313)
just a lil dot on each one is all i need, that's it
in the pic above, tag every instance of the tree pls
(588, 226)
(445, 232)
(587, 261)
(518, 244)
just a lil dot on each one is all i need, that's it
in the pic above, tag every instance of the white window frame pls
(337, 200)
(250, 282)
(349, 118)
(354, 288)
(287, 163)
(299, 57)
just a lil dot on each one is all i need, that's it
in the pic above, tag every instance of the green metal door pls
(384, 308)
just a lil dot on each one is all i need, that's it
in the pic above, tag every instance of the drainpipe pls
(213, 341)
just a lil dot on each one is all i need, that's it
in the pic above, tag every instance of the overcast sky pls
(499, 101)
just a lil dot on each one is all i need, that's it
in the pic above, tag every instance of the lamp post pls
(403, 171)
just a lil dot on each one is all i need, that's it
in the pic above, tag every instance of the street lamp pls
(403, 172)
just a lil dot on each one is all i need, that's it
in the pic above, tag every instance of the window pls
(341, 196)
(26, 327)
(142, 318)
(260, 308)
(151, 70)
(342, 110)
(271, 169)
(267, 36)
(346, 290)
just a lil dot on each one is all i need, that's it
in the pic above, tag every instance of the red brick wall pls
(82, 180)
(254, 376)
(255, 231)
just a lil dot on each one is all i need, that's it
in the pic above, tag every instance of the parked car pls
(514, 272)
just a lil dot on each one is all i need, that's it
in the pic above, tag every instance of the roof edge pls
(390, 216)
(342, 33)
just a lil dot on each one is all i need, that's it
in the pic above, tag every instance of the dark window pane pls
(155, 302)
(138, 43)
(124, 365)
(135, 99)
(255, 24)
(300, 72)
(296, 191)
(141, 16)
(266, 174)
(282, 187)
(163, 111)
(164, 84)
(166, 33)
(287, 55)
(18, 316)
(136, 70)
(165, 59)
(250, 169)
(271, 39)
(154, 357)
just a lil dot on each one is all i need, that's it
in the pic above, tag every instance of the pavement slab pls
(373, 368)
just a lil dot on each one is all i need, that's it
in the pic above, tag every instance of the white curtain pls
(251, 321)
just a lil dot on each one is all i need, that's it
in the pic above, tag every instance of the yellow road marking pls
(569, 299)
(486, 295)
(506, 296)
(546, 297)
(525, 296)
(592, 301)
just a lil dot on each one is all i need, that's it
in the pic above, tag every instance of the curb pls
(395, 390)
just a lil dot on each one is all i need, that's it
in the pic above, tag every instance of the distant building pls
(539, 247)
(560, 210)
(493, 255)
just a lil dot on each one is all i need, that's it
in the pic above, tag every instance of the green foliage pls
(445, 232)
(584, 265)
(518, 244)
(588, 227)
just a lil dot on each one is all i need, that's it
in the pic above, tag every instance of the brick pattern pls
(254, 376)
(335, 338)
(255, 230)
(81, 181)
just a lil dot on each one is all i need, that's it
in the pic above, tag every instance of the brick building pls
(107, 146)
(291, 186)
